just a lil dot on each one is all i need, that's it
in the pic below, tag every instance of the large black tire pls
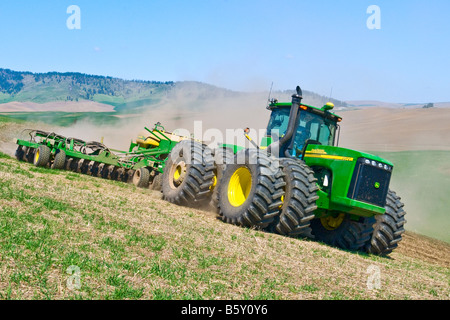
(141, 178)
(299, 201)
(388, 228)
(60, 160)
(349, 235)
(42, 156)
(188, 174)
(222, 158)
(250, 190)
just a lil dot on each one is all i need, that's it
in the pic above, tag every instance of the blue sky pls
(241, 45)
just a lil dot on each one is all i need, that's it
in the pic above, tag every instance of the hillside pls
(383, 104)
(130, 244)
(30, 89)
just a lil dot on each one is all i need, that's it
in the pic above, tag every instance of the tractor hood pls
(360, 180)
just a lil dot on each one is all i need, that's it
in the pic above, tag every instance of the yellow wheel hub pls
(239, 186)
(36, 157)
(282, 202)
(177, 173)
(332, 223)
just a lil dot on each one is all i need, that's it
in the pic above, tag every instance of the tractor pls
(299, 183)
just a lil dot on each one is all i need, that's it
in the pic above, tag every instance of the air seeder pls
(297, 182)
(143, 164)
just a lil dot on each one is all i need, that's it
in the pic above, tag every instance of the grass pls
(128, 243)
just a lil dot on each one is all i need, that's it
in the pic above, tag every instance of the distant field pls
(385, 129)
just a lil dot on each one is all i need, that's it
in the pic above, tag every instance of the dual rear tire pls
(189, 174)
(251, 189)
(299, 200)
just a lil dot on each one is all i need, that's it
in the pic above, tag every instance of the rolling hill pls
(35, 90)
(383, 104)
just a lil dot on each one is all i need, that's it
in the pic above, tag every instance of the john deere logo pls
(377, 185)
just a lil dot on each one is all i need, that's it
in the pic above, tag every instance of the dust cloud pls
(185, 108)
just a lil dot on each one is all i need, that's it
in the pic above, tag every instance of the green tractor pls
(299, 183)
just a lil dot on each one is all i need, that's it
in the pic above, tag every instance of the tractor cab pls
(314, 126)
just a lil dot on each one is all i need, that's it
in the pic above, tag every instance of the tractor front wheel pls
(341, 231)
(388, 228)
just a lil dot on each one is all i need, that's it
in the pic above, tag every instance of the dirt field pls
(380, 129)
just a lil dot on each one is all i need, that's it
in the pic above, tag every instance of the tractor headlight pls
(378, 164)
(325, 180)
